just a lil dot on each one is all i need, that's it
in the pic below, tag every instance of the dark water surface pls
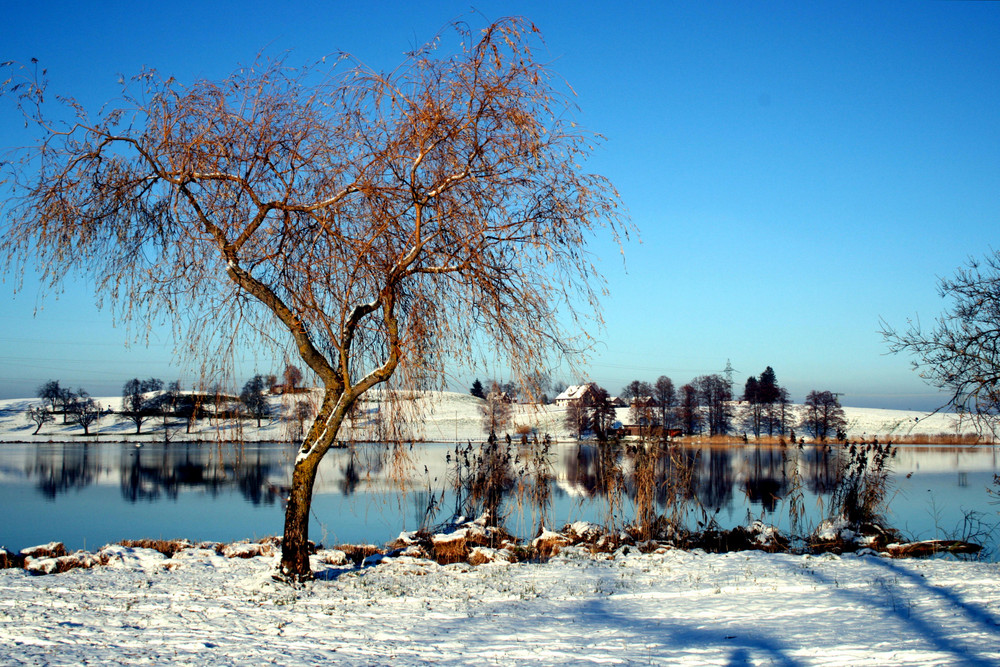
(94, 494)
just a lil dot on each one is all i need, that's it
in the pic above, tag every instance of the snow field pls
(435, 417)
(670, 607)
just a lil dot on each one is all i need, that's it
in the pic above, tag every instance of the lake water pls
(90, 495)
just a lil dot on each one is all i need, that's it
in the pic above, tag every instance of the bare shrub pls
(357, 553)
(9, 559)
(80, 559)
(50, 550)
(549, 543)
(450, 548)
(166, 547)
(248, 550)
(860, 495)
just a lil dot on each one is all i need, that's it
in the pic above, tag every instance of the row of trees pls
(77, 407)
(707, 405)
(146, 399)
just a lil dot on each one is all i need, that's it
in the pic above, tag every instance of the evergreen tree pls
(477, 389)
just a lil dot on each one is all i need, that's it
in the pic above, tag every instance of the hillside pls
(434, 417)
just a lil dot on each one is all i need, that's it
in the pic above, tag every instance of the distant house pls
(499, 397)
(651, 431)
(281, 389)
(576, 395)
(618, 402)
(643, 402)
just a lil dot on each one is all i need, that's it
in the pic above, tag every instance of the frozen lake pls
(88, 495)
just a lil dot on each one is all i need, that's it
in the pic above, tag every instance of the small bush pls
(357, 553)
(9, 559)
(450, 548)
(50, 550)
(166, 547)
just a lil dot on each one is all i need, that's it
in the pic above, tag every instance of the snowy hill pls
(434, 417)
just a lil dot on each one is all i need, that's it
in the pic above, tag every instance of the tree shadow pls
(673, 637)
(909, 614)
(597, 627)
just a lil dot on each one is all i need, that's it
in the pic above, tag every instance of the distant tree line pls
(705, 406)
(147, 399)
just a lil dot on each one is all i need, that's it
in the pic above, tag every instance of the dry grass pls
(62, 563)
(10, 560)
(452, 548)
(249, 549)
(548, 545)
(50, 550)
(166, 547)
(357, 553)
(967, 439)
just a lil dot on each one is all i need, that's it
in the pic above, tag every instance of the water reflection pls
(153, 472)
(618, 485)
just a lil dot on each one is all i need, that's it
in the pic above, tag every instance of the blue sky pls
(796, 170)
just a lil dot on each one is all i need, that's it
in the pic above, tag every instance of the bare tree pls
(39, 416)
(641, 403)
(753, 415)
(714, 394)
(59, 398)
(823, 414)
(578, 418)
(496, 411)
(960, 353)
(166, 405)
(253, 398)
(690, 412)
(666, 399)
(389, 223)
(138, 405)
(776, 414)
(50, 393)
(602, 412)
(84, 411)
(292, 377)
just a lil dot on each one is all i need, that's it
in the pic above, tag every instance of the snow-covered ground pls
(667, 608)
(436, 417)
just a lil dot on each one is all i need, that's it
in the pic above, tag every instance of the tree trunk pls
(295, 543)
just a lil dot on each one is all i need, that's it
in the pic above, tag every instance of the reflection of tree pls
(689, 476)
(821, 469)
(715, 490)
(350, 480)
(60, 469)
(149, 472)
(765, 483)
(582, 470)
(683, 477)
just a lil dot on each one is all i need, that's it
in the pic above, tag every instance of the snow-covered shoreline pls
(670, 607)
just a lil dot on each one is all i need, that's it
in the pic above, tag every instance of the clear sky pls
(796, 170)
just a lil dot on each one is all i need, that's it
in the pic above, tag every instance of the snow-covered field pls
(438, 417)
(667, 608)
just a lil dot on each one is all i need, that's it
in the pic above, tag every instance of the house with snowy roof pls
(575, 395)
